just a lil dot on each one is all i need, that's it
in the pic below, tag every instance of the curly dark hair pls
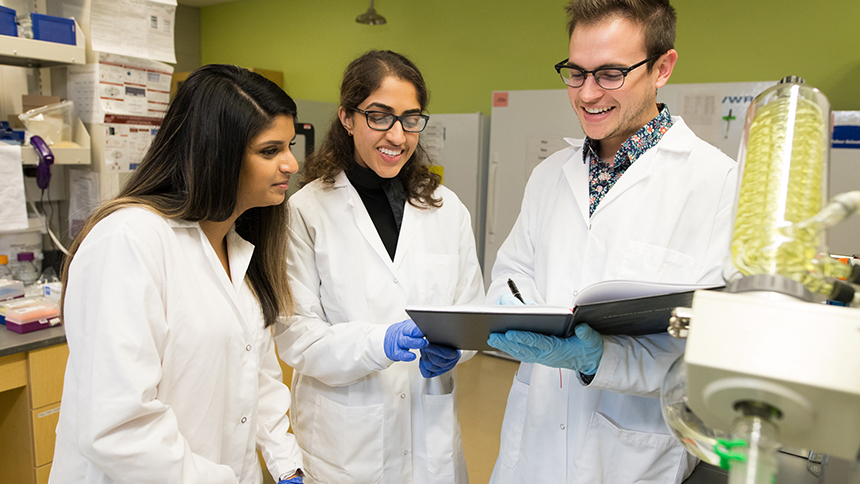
(362, 77)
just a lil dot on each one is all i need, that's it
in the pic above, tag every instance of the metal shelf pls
(64, 156)
(21, 52)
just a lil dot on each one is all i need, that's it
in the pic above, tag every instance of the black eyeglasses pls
(382, 121)
(609, 78)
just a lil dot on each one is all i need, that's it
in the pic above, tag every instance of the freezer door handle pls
(491, 195)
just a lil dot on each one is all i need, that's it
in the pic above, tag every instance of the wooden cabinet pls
(42, 474)
(31, 386)
(46, 367)
(13, 372)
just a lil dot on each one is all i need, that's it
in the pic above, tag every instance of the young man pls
(643, 199)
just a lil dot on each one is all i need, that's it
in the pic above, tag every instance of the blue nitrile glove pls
(400, 338)
(292, 480)
(581, 352)
(508, 299)
(436, 360)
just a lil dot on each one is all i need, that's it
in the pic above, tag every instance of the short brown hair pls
(657, 18)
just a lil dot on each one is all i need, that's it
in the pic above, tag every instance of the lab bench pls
(32, 367)
(792, 470)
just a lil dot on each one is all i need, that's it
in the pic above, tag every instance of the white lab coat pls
(359, 417)
(667, 219)
(172, 377)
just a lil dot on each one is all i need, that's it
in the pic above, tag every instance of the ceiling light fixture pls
(370, 17)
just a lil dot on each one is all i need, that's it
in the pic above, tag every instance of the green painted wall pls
(468, 48)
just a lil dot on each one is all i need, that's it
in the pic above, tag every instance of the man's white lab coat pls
(667, 219)
(359, 417)
(171, 377)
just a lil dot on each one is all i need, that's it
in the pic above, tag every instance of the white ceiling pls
(202, 3)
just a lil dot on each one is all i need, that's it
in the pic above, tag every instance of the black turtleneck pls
(384, 199)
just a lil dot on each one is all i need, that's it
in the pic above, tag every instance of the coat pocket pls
(513, 423)
(437, 278)
(613, 454)
(346, 445)
(440, 428)
(652, 262)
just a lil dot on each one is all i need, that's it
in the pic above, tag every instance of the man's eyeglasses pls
(382, 121)
(609, 78)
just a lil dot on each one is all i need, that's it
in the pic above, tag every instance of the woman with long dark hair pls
(372, 232)
(169, 294)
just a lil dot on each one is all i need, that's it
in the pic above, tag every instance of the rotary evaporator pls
(767, 363)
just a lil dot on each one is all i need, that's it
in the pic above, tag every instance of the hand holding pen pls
(515, 290)
(513, 298)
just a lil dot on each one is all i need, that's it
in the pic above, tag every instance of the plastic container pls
(28, 240)
(53, 123)
(48, 28)
(11, 289)
(9, 135)
(32, 315)
(52, 291)
(26, 271)
(8, 22)
(784, 175)
(5, 271)
(13, 303)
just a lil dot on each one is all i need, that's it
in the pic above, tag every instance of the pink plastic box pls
(32, 315)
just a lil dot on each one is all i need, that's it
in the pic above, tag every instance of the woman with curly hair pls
(373, 231)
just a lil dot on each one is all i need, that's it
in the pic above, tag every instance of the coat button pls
(244, 419)
(395, 281)
(248, 348)
(405, 452)
(402, 396)
(561, 426)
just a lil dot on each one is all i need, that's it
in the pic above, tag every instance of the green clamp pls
(723, 449)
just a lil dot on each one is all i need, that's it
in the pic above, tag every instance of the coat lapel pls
(363, 220)
(413, 218)
(676, 141)
(640, 170)
(239, 254)
(576, 173)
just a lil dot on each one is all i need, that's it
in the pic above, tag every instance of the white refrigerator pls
(458, 144)
(312, 124)
(844, 238)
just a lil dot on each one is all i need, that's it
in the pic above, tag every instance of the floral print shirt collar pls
(603, 175)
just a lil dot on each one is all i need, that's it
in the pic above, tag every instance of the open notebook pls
(610, 307)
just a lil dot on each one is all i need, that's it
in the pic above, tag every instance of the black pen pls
(515, 290)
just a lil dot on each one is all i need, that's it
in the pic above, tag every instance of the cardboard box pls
(29, 102)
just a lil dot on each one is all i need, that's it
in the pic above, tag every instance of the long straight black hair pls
(191, 171)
